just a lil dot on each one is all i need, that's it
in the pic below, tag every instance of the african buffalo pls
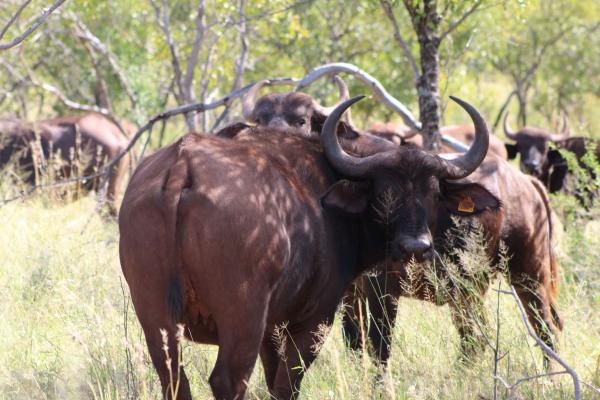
(16, 140)
(98, 140)
(521, 219)
(284, 110)
(539, 160)
(229, 237)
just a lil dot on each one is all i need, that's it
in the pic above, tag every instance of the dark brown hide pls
(523, 223)
(16, 140)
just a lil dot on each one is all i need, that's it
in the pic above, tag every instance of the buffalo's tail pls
(554, 267)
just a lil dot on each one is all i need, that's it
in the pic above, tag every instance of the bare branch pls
(164, 24)
(551, 353)
(83, 32)
(240, 63)
(460, 20)
(14, 18)
(192, 59)
(68, 102)
(398, 36)
(32, 28)
(379, 91)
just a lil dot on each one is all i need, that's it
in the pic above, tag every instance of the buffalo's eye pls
(301, 122)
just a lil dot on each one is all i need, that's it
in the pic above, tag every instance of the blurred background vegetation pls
(541, 56)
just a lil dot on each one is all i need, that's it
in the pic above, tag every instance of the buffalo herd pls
(251, 238)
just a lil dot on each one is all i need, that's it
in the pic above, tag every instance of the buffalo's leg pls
(469, 317)
(238, 350)
(175, 380)
(541, 312)
(354, 320)
(300, 350)
(270, 360)
(383, 304)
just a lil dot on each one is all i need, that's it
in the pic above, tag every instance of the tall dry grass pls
(68, 329)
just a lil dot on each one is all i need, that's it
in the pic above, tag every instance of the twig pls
(14, 18)
(460, 20)
(29, 30)
(84, 33)
(398, 36)
(551, 353)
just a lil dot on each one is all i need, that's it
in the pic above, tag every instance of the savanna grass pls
(69, 331)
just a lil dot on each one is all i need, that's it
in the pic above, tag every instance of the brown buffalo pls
(398, 134)
(17, 139)
(522, 221)
(284, 111)
(543, 162)
(87, 141)
(296, 110)
(229, 238)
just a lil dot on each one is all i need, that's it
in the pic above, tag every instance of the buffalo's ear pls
(344, 130)
(232, 131)
(555, 158)
(346, 196)
(467, 198)
(511, 150)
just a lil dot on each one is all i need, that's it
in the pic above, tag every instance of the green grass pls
(68, 330)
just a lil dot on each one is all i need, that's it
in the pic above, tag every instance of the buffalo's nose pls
(419, 247)
(278, 123)
(532, 167)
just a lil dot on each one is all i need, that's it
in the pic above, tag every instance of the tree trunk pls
(426, 22)
(522, 98)
(428, 91)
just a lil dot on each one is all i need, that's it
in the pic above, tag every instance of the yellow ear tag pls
(466, 205)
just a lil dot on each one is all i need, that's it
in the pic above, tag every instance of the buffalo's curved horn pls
(343, 162)
(461, 166)
(564, 131)
(249, 101)
(507, 131)
(406, 132)
(344, 95)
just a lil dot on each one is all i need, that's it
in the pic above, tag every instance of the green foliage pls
(582, 185)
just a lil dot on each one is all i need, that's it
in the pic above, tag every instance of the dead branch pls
(29, 30)
(83, 32)
(460, 20)
(545, 348)
(240, 62)
(379, 91)
(387, 7)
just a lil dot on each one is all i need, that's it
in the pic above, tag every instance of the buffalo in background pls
(522, 220)
(537, 158)
(72, 146)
